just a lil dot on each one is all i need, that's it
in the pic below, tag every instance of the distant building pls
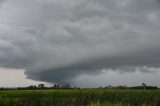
(41, 86)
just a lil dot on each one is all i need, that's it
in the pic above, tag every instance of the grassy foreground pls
(80, 98)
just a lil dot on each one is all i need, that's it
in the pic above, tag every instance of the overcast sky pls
(83, 42)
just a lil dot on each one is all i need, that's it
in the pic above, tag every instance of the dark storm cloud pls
(59, 40)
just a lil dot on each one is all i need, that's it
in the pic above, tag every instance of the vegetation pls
(94, 97)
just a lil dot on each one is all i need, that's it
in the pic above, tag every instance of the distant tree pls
(56, 86)
(1, 88)
(144, 85)
(41, 86)
(66, 86)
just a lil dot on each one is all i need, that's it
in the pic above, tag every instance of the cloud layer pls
(59, 40)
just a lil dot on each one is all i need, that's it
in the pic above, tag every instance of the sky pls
(87, 43)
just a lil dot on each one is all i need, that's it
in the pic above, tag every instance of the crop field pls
(80, 97)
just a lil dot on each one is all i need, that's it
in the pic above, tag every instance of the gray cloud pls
(1, 2)
(59, 40)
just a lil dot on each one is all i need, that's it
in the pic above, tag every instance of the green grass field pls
(80, 98)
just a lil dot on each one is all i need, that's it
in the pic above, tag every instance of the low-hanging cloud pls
(59, 40)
